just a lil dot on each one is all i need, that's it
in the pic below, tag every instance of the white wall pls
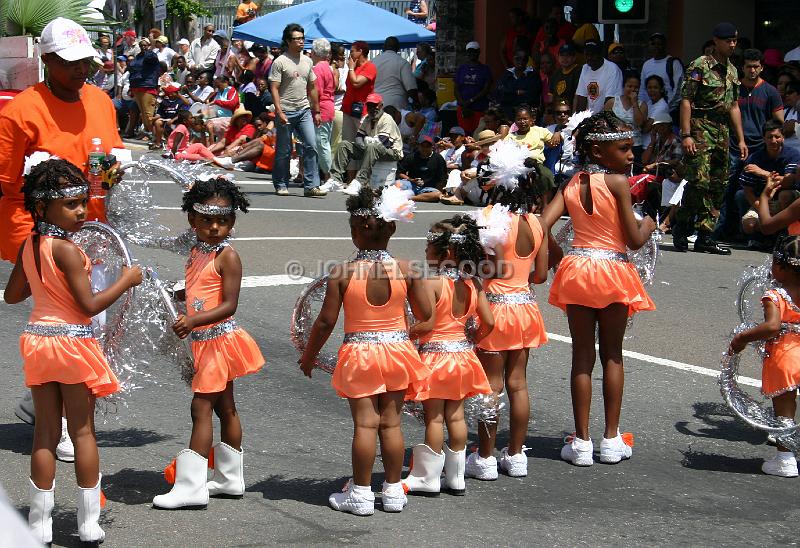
(701, 16)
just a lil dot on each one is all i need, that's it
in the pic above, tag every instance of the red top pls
(325, 88)
(231, 101)
(232, 133)
(359, 95)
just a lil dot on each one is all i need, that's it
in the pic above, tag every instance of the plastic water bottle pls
(94, 169)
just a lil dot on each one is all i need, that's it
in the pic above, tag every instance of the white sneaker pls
(65, 451)
(515, 466)
(780, 465)
(331, 185)
(354, 500)
(224, 161)
(480, 468)
(352, 189)
(614, 450)
(577, 451)
(393, 497)
(24, 409)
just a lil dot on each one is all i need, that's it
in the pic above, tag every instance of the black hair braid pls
(524, 197)
(787, 252)
(220, 187)
(367, 198)
(602, 122)
(50, 176)
(469, 253)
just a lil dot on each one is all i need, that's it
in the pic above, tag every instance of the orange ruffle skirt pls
(781, 368)
(598, 283)
(220, 360)
(516, 326)
(66, 360)
(455, 375)
(364, 370)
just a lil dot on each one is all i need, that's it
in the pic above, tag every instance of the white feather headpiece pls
(494, 225)
(35, 159)
(507, 162)
(396, 204)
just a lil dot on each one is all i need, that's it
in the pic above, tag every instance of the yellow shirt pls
(534, 140)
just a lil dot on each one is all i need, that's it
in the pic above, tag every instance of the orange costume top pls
(37, 120)
(456, 371)
(517, 320)
(377, 355)
(58, 344)
(780, 371)
(794, 228)
(596, 272)
(222, 351)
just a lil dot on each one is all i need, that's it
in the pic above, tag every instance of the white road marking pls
(748, 381)
(250, 182)
(343, 238)
(263, 281)
(289, 210)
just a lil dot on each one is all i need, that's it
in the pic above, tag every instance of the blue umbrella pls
(343, 21)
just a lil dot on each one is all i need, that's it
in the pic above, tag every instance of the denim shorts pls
(408, 185)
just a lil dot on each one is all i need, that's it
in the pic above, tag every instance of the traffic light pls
(623, 11)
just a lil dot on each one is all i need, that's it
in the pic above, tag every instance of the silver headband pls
(433, 236)
(365, 212)
(63, 192)
(782, 257)
(453, 239)
(212, 210)
(615, 136)
(458, 238)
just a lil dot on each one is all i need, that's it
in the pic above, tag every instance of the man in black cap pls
(564, 81)
(708, 100)
(669, 68)
(600, 79)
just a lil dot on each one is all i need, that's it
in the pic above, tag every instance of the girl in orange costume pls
(780, 375)
(377, 366)
(63, 363)
(222, 350)
(788, 218)
(454, 250)
(595, 283)
(519, 260)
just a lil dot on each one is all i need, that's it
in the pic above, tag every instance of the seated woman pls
(534, 138)
(222, 104)
(180, 147)
(238, 133)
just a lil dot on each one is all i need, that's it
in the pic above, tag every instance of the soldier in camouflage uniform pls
(708, 99)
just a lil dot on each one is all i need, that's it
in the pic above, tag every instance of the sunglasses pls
(562, 113)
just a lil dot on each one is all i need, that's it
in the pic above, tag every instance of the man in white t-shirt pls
(659, 64)
(203, 50)
(792, 55)
(600, 80)
(394, 82)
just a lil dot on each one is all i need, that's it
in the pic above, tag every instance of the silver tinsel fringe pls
(753, 283)
(303, 316)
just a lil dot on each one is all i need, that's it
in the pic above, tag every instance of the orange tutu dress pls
(222, 351)
(596, 272)
(517, 320)
(58, 344)
(377, 356)
(456, 371)
(780, 371)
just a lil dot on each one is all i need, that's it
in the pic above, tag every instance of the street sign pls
(160, 10)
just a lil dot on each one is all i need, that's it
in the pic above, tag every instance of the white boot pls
(39, 516)
(190, 490)
(89, 513)
(454, 471)
(426, 471)
(228, 480)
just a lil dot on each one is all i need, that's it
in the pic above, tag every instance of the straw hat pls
(241, 111)
(487, 136)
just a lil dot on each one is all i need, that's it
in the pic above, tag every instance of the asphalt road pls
(694, 477)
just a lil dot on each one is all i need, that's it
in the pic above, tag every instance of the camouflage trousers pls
(706, 174)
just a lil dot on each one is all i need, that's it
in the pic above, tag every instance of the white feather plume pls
(569, 129)
(507, 162)
(35, 159)
(396, 205)
(494, 226)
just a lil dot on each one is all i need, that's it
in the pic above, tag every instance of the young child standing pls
(377, 366)
(780, 374)
(62, 361)
(222, 350)
(518, 324)
(595, 283)
(454, 251)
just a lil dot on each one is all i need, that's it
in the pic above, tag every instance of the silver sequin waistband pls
(510, 298)
(594, 253)
(222, 328)
(77, 331)
(446, 346)
(375, 337)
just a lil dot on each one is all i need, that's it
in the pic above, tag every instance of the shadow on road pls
(723, 425)
(720, 463)
(16, 437)
(130, 486)
(129, 437)
(308, 490)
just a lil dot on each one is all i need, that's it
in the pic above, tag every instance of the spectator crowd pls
(332, 118)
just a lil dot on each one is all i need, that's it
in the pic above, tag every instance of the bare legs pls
(377, 417)
(223, 405)
(612, 322)
(441, 412)
(507, 369)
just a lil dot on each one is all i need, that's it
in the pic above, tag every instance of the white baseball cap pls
(473, 45)
(183, 42)
(67, 39)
